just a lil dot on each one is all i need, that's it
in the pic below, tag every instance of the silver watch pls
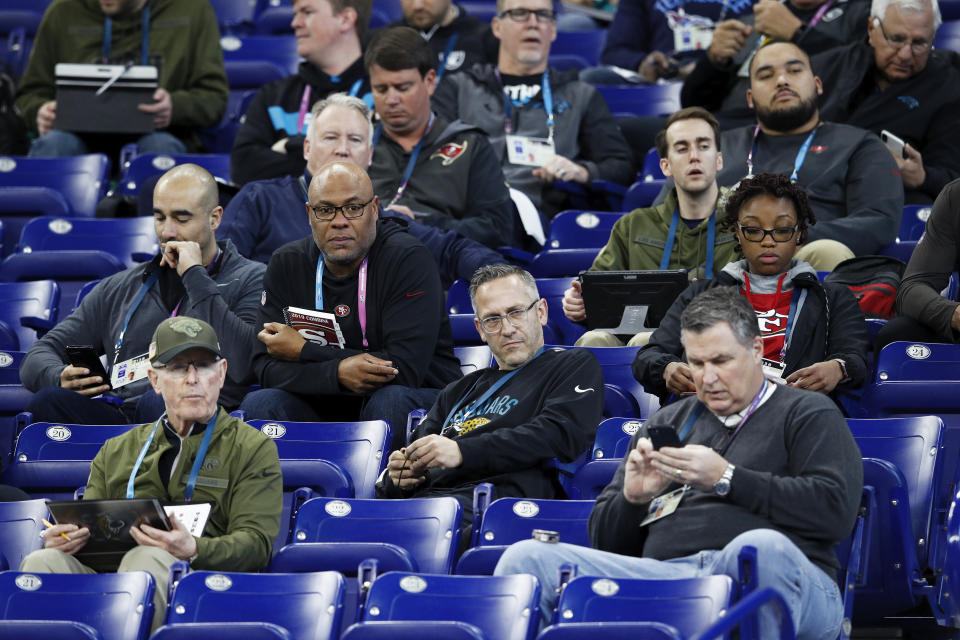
(722, 487)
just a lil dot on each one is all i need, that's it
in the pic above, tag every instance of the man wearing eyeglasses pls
(501, 424)
(381, 286)
(896, 82)
(192, 275)
(195, 452)
(853, 184)
(545, 125)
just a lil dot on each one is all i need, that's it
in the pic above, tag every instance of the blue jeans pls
(812, 596)
(391, 403)
(56, 404)
(61, 144)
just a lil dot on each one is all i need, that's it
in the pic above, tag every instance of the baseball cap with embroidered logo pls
(173, 336)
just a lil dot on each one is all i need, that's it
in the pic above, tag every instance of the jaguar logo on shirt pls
(342, 310)
(472, 424)
(450, 152)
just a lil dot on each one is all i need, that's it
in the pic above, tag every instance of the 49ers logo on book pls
(342, 310)
(450, 152)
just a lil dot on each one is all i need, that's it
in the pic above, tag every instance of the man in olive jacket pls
(200, 454)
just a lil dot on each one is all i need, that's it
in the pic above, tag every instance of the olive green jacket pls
(184, 40)
(240, 476)
(638, 239)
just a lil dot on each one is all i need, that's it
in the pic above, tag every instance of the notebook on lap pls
(103, 98)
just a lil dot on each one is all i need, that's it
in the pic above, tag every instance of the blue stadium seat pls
(510, 520)
(405, 606)
(148, 165)
(642, 193)
(484, 11)
(565, 330)
(115, 606)
(688, 605)
(613, 437)
(948, 35)
(587, 45)
(132, 240)
(235, 16)
(581, 229)
(473, 358)
(53, 460)
(219, 138)
(553, 263)
(914, 378)
(308, 606)
(251, 61)
(900, 249)
(13, 400)
(83, 291)
(914, 221)
(24, 14)
(419, 535)
(646, 100)
(20, 527)
(29, 309)
(15, 49)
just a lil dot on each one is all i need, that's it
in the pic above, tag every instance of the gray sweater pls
(798, 471)
(229, 301)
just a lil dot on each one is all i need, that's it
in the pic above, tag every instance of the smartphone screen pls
(85, 356)
(895, 144)
(663, 437)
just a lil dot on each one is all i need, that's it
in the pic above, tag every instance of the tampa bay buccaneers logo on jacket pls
(450, 152)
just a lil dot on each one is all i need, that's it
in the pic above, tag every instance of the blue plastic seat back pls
(918, 361)
(502, 607)
(510, 520)
(473, 358)
(611, 631)
(30, 186)
(689, 605)
(458, 297)
(121, 237)
(948, 35)
(912, 444)
(249, 61)
(39, 299)
(308, 605)
(83, 291)
(587, 44)
(147, 165)
(235, 15)
(427, 528)
(551, 290)
(56, 457)
(914, 221)
(613, 437)
(591, 478)
(9, 363)
(901, 250)
(581, 229)
(554, 263)
(20, 527)
(118, 605)
(359, 448)
(648, 100)
(221, 631)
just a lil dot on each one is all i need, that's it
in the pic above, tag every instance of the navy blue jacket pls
(267, 214)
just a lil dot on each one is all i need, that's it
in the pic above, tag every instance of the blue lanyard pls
(145, 37)
(197, 462)
(671, 236)
(410, 163)
(547, 106)
(446, 54)
(798, 161)
(698, 410)
(141, 294)
(361, 295)
(486, 396)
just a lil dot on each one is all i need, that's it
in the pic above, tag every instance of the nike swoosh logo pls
(414, 295)
(579, 390)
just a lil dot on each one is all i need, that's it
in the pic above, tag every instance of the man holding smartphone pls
(762, 464)
(192, 275)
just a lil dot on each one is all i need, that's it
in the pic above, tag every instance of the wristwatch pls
(722, 487)
(843, 369)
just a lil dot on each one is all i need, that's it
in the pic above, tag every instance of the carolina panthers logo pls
(911, 102)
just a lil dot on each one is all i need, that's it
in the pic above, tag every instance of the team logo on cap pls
(450, 152)
(187, 326)
(152, 351)
(342, 310)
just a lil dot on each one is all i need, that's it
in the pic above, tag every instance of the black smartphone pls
(86, 356)
(663, 437)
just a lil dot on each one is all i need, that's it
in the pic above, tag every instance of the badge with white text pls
(773, 369)
(692, 38)
(123, 373)
(664, 505)
(531, 152)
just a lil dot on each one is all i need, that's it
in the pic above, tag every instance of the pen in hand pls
(50, 526)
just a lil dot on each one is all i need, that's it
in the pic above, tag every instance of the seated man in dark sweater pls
(386, 348)
(759, 464)
(500, 424)
(814, 334)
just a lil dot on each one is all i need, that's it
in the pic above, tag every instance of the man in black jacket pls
(438, 172)
(386, 349)
(814, 334)
(896, 82)
(500, 425)
(269, 143)
(760, 464)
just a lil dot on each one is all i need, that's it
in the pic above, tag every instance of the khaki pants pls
(824, 255)
(154, 561)
(597, 338)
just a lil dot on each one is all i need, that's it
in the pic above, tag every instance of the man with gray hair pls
(500, 424)
(267, 214)
(896, 82)
(752, 463)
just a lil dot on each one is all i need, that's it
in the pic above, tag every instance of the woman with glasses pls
(814, 334)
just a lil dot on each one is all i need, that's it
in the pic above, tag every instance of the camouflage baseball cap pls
(175, 335)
